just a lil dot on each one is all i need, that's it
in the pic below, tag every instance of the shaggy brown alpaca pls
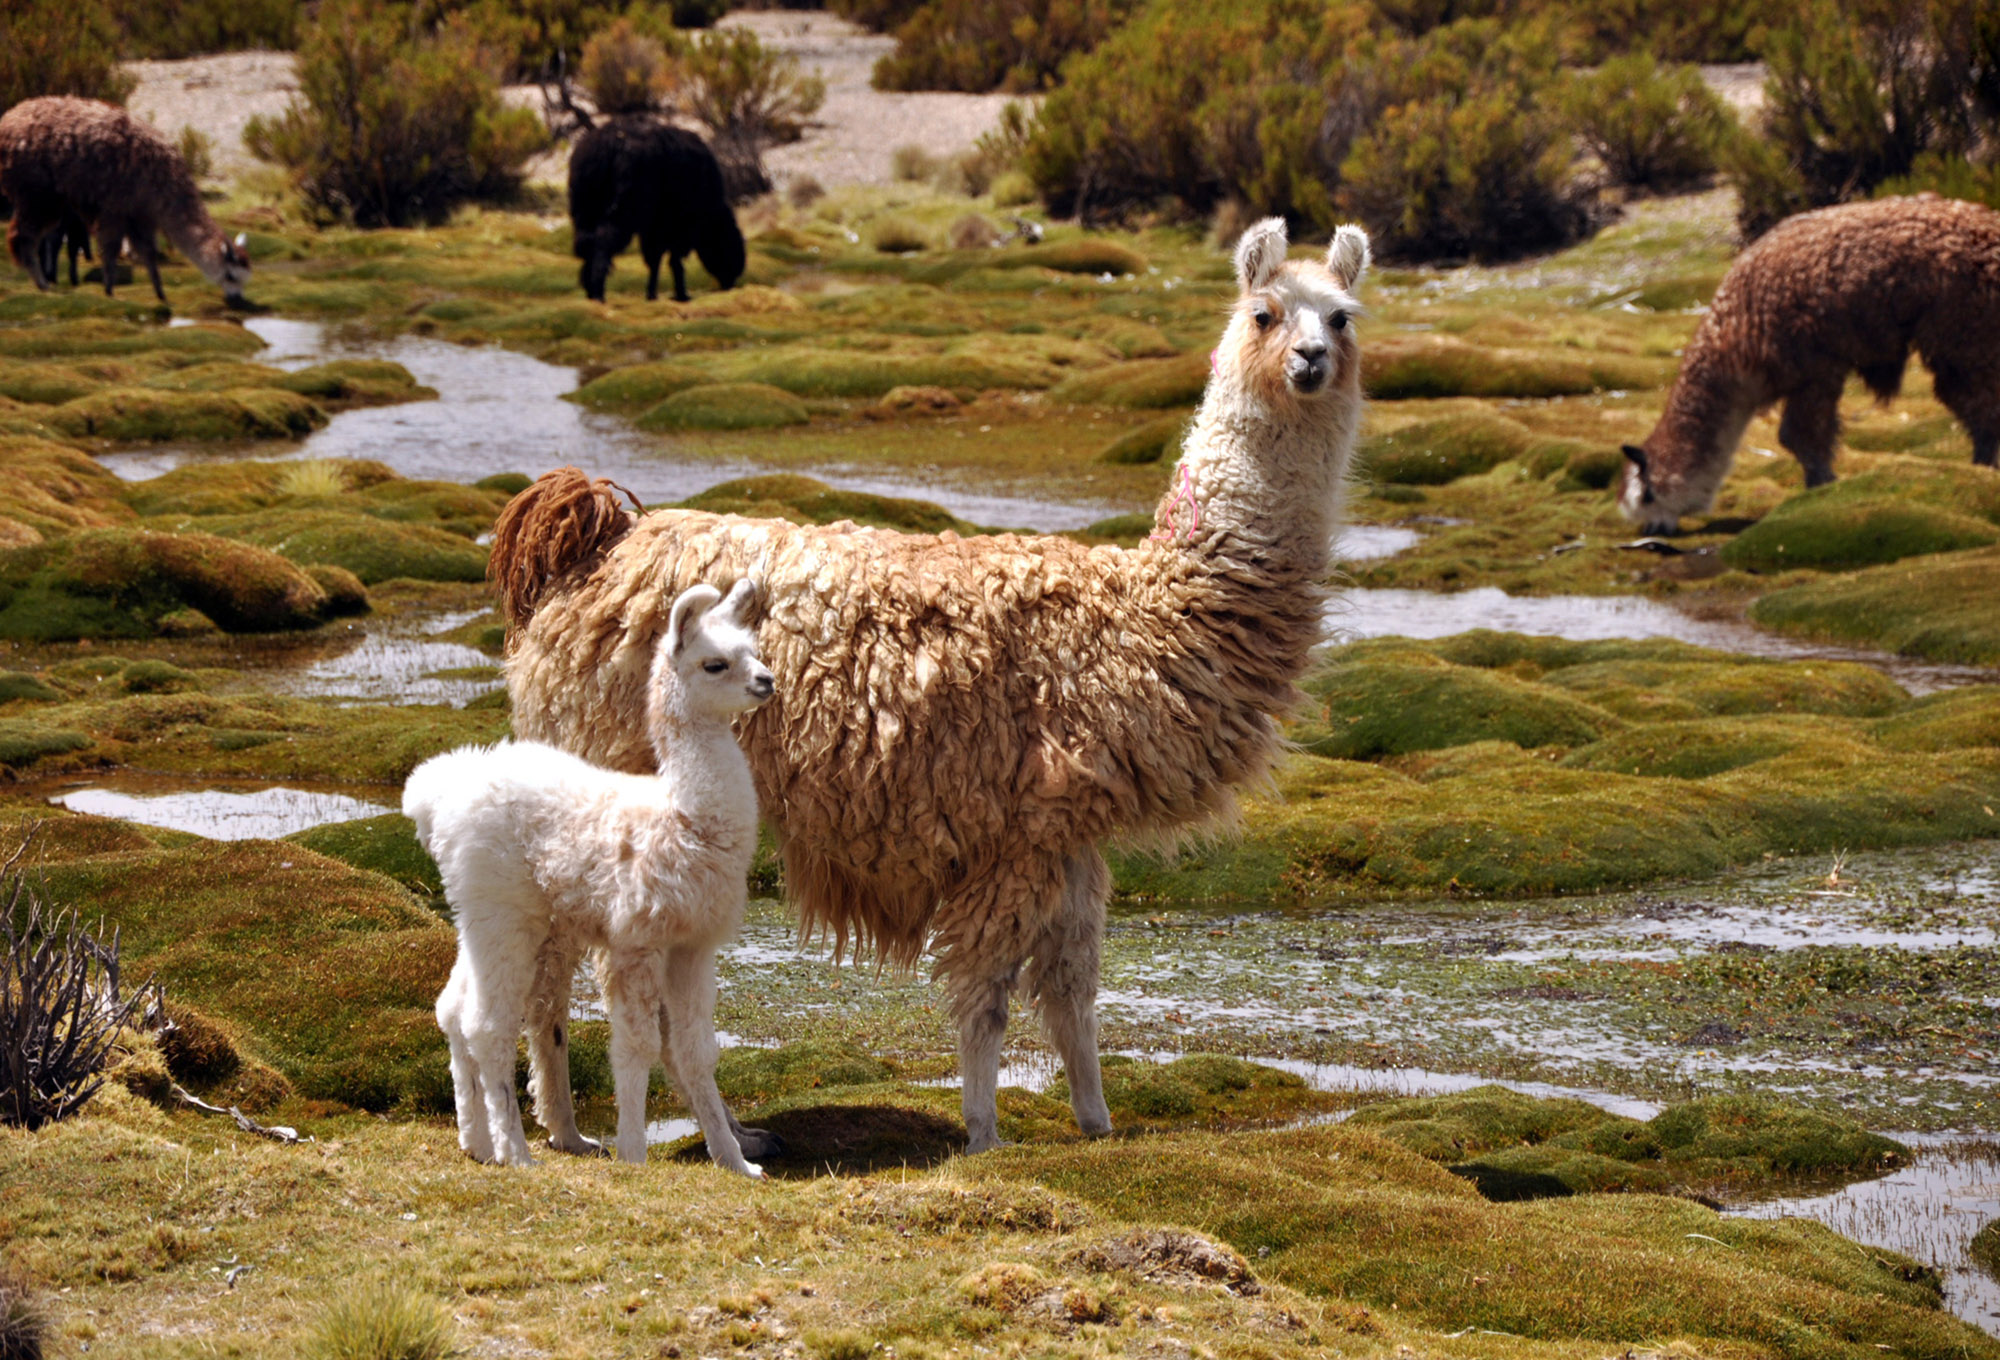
(1821, 295)
(78, 158)
(962, 722)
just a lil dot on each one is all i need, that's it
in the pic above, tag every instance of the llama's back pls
(95, 157)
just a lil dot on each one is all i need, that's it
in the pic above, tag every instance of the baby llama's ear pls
(1259, 253)
(687, 612)
(1348, 256)
(739, 599)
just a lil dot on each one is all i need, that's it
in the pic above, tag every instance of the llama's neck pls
(1261, 486)
(1710, 406)
(183, 220)
(700, 762)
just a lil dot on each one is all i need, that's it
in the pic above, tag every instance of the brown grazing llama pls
(960, 723)
(78, 158)
(1851, 289)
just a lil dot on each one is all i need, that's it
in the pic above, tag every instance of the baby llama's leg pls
(1063, 980)
(631, 978)
(690, 1004)
(1811, 424)
(474, 1135)
(500, 938)
(755, 1143)
(548, 1051)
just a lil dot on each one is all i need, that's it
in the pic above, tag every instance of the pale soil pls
(853, 137)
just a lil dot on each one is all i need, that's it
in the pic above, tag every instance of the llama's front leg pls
(475, 1137)
(756, 1143)
(632, 997)
(680, 278)
(148, 250)
(689, 1001)
(1973, 396)
(548, 1052)
(1063, 980)
(1811, 426)
(980, 1003)
(110, 240)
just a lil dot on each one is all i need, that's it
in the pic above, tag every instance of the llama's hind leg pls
(755, 1143)
(475, 1137)
(492, 1025)
(1063, 980)
(548, 1052)
(1811, 425)
(110, 241)
(689, 1002)
(1973, 395)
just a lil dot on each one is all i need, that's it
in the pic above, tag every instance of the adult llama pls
(961, 723)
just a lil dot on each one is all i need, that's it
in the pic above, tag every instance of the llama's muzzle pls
(1306, 368)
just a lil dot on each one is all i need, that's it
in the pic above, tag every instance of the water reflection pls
(218, 813)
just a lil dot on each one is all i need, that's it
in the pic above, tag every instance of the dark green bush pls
(1471, 159)
(750, 97)
(390, 130)
(185, 28)
(1857, 95)
(980, 45)
(1653, 128)
(60, 47)
(1673, 30)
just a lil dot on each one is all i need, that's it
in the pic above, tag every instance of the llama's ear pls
(739, 598)
(1348, 256)
(1636, 456)
(693, 602)
(243, 240)
(1259, 253)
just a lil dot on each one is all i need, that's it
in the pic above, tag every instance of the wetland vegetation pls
(1747, 898)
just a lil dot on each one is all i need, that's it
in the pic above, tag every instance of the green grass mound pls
(726, 406)
(1697, 749)
(1143, 384)
(385, 845)
(1839, 535)
(1434, 452)
(190, 493)
(140, 414)
(637, 387)
(341, 383)
(373, 549)
(1939, 608)
(329, 973)
(98, 336)
(1386, 704)
(1149, 443)
(1495, 1136)
(20, 686)
(107, 583)
(1088, 255)
(762, 1074)
(807, 371)
(44, 384)
(1398, 367)
(1340, 1212)
(804, 500)
(1202, 1090)
(1949, 721)
(1728, 686)
(23, 742)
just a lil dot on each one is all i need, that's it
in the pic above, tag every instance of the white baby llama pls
(545, 856)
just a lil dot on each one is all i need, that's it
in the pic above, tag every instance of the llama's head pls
(710, 655)
(721, 249)
(233, 269)
(1664, 479)
(1292, 334)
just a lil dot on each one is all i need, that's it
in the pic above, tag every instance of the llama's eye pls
(715, 665)
(1263, 318)
(1338, 321)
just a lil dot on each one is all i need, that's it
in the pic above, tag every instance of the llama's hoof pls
(579, 1147)
(760, 1143)
(753, 1171)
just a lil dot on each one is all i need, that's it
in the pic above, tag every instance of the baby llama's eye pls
(1263, 318)
(1338, 321)
(715, 665)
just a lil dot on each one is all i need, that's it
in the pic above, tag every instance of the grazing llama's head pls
(1292, 336)
(233, 271)
(710, 657)
(1662, 481)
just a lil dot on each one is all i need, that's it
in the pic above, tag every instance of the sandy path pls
(853, 137)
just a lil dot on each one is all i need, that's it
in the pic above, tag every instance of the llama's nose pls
(1312, 351)
(762, 685)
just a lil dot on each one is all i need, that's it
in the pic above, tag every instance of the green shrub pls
(1653, 129)
(393, 130)
(169, 29)
(1947, 176)
(1857, 94)
(1474, 162)
(878, 15)
(751, 98)
(726, 406)
(1675, 30)
(981, 45)
(627, 71)
(60, 47)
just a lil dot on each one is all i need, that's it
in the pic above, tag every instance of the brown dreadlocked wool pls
(960, 722)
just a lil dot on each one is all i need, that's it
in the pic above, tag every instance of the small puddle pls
(1423, 614)
(246, 811)
(398, 660)
(1929, 1210)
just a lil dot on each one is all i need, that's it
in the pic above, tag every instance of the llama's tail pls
(563, 520)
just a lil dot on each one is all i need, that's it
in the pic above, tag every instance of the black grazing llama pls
(64, 159)
(639, 175)
(962, 722)
(1851, 289)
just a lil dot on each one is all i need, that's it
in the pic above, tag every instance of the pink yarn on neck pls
(1183, 495)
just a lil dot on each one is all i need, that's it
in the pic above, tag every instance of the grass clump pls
(372, 549)
(1397, 368)
(803, 500)
(1433, 452)
(1146, 384)
(899, 236)
(122, 582)
(385, 845)
(1080, 255)
(1390, 704)
(381, 1321)
(1205, 1090)
(762, 1074)
(1939, 608)
(1148, 443)
(637, 387)
(23, 743)
(726, 406)
(137, 414)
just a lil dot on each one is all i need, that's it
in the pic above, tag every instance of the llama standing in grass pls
(639, 175)
(63, 158)
(962, 722)
(1843, 290)
(544, 856)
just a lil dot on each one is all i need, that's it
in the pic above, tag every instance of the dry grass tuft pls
(379, 1321)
